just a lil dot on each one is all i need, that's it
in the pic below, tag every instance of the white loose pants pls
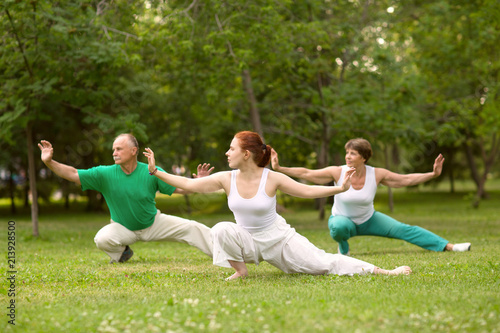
(281, 246)
(113, 238)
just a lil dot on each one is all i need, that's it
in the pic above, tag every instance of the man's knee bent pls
(103, 242)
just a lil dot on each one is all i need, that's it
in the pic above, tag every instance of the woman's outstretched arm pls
(291, 187)
(319, 176)
(201, 185)
(392, 179)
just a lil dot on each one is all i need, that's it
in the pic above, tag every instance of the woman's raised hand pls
(347, 179)
(274, 160)
(438, 165)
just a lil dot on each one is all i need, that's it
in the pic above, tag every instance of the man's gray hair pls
(132, 140)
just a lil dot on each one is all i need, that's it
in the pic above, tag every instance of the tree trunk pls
(489, 161)
(474, 173)
(32, 179)
(389, 190)
(323, 161)
(254, 111)
(65, 193)
(325, 142)
(12, 192)
(188, 204)
(247, 85)
(451, 168)
(26, 193)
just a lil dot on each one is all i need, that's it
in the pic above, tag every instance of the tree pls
(457, 51)
(63, 61)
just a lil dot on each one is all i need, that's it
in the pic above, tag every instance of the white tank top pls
(257, 213)
(356, 204)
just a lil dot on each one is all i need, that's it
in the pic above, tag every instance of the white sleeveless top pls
(356, 204)
(257, 213)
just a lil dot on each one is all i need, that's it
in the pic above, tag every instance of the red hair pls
(252, 142)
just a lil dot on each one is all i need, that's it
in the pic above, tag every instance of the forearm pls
(64, 171)
(313, 192)
(326, 191)
(296, 172)
(179, 190)
(189, 185)
(414, 179)
(182, 183)
(419, 178)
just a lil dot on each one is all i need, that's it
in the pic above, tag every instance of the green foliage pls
(460, 67)
(55, 61)
(406, 75)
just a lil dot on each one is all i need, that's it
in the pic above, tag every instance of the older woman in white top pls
(260, 234)
(353, 213)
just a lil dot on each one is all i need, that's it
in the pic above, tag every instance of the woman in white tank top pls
(353, 213)
(259, 233)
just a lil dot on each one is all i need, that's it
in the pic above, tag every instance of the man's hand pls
(62, 170)
(204, 170)
(47, 151)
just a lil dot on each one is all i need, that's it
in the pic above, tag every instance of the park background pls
(415, 78)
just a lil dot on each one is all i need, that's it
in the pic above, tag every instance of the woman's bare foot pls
(405, 270)
(236, 276)
(240, 268)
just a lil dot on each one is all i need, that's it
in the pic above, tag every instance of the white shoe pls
(462, 247)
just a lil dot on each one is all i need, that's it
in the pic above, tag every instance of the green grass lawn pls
(65, 284)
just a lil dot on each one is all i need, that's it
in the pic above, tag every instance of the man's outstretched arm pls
(62, 170)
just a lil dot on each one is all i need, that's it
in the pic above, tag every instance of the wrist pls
(152, 173)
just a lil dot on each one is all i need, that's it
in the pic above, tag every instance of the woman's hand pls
(438, 166)
(347, 179)
(274, 160)
(151, 159)
(204, 170)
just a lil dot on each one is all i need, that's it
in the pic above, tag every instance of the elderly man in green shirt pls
(129, 191)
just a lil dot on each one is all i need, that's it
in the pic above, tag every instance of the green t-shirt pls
(130, 198)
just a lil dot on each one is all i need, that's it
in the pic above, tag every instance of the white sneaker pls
(462, 247)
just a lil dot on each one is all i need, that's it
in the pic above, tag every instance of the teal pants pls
(342, 228)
